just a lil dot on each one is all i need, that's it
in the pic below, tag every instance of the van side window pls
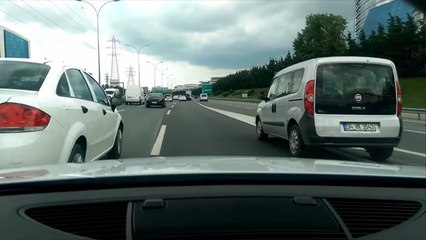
(285, 84)
(297, 80)
(272, 93)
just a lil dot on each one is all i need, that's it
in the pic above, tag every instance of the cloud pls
(224, 34)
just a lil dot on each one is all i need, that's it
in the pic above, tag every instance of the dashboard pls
(227, 206)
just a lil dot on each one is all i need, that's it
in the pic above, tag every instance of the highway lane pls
(141, 126)
(188, 129)
(410, 151)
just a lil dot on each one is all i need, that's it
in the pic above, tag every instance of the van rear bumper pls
(310, 137)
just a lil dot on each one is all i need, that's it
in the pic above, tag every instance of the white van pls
(134, 94)
(335, 101)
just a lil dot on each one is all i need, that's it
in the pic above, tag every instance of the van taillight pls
(398, 98)
(309, 97)
(16, 117)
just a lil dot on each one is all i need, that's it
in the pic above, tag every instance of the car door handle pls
(274, 107)
(84, 109)
(104, 112)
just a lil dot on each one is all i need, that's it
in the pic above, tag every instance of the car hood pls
(206, 165)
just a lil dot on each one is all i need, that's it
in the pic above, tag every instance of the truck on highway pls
(188, 94)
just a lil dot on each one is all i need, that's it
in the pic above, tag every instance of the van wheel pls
(261, 135)
(295, 141)
(77, 154)
(116, 150)
(380, 154)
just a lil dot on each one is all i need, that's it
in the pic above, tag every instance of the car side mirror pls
(263, 97)
(115, 102)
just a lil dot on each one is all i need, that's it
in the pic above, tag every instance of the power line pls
(79, 16)
(72, 23)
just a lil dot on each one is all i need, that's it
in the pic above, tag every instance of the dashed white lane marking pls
(241, 117)
(158, 142)
(122, 110)
(172, 106)
(168, 112)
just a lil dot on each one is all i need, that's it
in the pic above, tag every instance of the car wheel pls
(127, 103)
(116, 150)
(380, 154)
(147, 105)
(295, 141)
(77, 154)
(261, 135)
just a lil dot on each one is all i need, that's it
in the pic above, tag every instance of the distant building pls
(13, 45)
(191, 86)
(370, 13)
(179, 87)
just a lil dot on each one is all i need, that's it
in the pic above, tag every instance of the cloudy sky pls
(196, 40)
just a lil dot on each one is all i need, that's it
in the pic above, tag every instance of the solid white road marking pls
(168, 112)
(413, 131)
(241, 117)
(410, 152)
(158, 142)
(251, 120)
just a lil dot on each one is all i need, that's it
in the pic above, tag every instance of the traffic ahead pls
(224, 128)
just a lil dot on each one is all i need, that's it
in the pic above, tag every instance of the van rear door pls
(356, 100)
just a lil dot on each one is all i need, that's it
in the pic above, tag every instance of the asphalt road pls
(193, 129)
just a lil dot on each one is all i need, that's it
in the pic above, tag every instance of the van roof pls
(338, 59)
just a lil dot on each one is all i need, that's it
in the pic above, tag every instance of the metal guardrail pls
(418, 111)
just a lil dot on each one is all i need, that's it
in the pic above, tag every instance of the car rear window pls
(348, 88)
(155, 94)
(22, 75)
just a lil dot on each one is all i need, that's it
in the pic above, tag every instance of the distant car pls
(175, 97)
(195, 96)
(182, 98)
(168, 98)
(112, 92)
(203, 97)
(188, 97)
(60, 111)
(155, 99)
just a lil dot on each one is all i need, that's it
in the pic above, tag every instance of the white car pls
(335, 102)
(54, 114)
(204, 97)
(182, 98)
(168, 98)
(175, 97)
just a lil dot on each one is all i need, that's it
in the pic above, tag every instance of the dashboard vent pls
(367, 216)
(97, 221)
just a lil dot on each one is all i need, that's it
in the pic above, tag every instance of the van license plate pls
(361, 127)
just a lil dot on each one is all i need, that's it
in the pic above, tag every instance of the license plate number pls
(361, 127)
(154, 102)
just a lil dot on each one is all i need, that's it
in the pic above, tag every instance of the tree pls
(322, 36)
(352, 46)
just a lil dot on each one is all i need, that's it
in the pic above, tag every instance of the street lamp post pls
(162, 74)
(97, 31)
(155, 70)
(139, 64)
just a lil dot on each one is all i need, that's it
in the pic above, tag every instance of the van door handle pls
(104, 112)
(84, 109)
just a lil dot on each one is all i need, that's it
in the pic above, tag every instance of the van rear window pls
(347, 88)
(22, 75)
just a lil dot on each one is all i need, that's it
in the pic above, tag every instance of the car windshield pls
(22, 75)
(90, 87)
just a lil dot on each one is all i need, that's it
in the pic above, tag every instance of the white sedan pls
(54, 114)
(182, 98)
